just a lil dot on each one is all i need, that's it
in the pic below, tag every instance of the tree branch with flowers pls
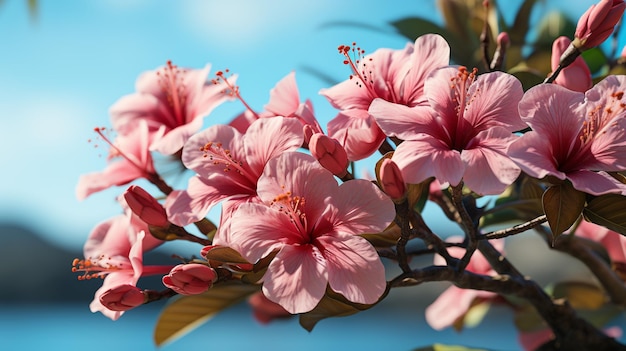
(299, 234)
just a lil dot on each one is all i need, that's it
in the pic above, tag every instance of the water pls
(73, 327)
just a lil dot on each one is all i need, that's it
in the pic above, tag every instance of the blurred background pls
(64, 63)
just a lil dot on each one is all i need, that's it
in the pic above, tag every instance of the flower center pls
(461, 131)
(170, 79)
(218, 155)
(115, 151)
(362, 74)
(602, 116)
(93, 268)
(292, 206)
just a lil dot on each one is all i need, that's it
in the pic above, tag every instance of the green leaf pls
(595, 59)
(607, 211)
(562, 205)
(333, 305)
(225, 254)
(189, 312)
(386, 238)
(441, 347)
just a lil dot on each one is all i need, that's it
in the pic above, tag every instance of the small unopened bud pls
(576, 76)
(122, 298)
(146, 207)
(503, 42)
(391, 179)
(330, 154)
(597, 23)
(308, 133)
(190, 279)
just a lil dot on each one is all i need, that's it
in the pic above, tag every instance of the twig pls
(516, 229)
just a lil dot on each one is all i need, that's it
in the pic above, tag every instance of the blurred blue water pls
(73, 327)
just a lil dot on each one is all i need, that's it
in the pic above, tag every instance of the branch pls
(516, 229)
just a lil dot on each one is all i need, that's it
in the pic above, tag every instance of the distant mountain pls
(33, 271)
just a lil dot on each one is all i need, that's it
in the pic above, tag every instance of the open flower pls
(114, 251)
(462, 133)
(575, 135)
(313, 225)
(173, 102)
(455, 302)
(392, 75)
(130, 159)
(229, 164)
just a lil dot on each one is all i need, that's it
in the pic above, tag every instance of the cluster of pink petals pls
(114, 251)
(265, 310)
(575, 136)
(173, 101)
(461, 133)
(576, 76)
(229, 164)
(392, 75)
(129, 160)
(597, 23)
(284, 102)
(313, 225)
(455, 302)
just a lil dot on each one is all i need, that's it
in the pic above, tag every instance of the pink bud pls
(265, 310)
(576, 76)
(597, 24)
(330, 154)
(146, 207)
(503, 39)
(190, 279)
(308, 133)
(122, 298)
(391, 179)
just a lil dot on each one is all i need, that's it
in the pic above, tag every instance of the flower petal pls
(296, 278)
(402, 121)
(267, 138)
(533, 154)
(357, 132)
(354, 268)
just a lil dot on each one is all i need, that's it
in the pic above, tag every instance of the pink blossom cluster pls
(286, 193)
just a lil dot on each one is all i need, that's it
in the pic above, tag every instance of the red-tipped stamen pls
(232, 90)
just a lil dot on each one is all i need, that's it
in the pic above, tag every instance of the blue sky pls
(60, 73)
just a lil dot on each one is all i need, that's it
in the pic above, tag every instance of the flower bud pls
(597, 24)
(122, 298)
(503, 42)
(190, 279)
(576, 76)
(330, 154)
(146, 207)
(391, 179)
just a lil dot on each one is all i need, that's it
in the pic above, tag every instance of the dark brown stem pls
(402, 219)
(471, 231)
(516, 229)
(385, 147)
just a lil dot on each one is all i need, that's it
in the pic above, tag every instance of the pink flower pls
(122, 298)
(228, 164)
(393, 75)
(463, 132)
(265, 310)
(574, 135)
(146, 207)
(284, 102)
(190, 279)
(313, 225)
(173, 102)
(455, 302)
(134, 161)
(614, 242)
(575, 76)
(114, 251)
(597, 23)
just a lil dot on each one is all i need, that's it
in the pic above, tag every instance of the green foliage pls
(562, 205)
(608, 211)
(189, 312)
